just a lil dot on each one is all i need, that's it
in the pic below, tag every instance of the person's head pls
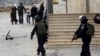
(37, 18)
(15, 5)
(34, 5)
(42, 6)
(97, 15)
(21, 4)
(83, 19)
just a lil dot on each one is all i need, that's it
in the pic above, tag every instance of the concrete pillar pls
(87, 6)
(50, 6)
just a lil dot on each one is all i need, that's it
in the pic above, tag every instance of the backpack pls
(41, 28)
(90, 30)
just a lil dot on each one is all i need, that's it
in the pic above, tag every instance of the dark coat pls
(35, 29)
(13, 14)
(20, 10)
(33, 11)
(40, 12)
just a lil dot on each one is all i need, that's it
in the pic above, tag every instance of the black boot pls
(38, 53)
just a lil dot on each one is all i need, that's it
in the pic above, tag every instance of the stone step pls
(70, 39)
(55, 27)
(67, 18)
(67, 27)
(70, 43)
(68, 33)
(66, 30)
(63, 27)
(68, 36)
(69, 23)
(70, 15)
(62, 19)
(69, 46)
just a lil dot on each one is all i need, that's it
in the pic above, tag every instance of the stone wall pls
(60, 8)
(94, 6)
(76, 6)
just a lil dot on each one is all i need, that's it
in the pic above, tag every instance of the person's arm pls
(24, 9)
(75, 34)
(46, 25)
(33, 32)
(31, 11)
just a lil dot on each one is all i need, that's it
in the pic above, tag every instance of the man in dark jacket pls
(33, 13)
(41, 32)
(20, 12)
(86, 39)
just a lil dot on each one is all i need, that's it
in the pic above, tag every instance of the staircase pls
(62, 28)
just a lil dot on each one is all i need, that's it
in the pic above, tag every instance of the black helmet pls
(84, 18)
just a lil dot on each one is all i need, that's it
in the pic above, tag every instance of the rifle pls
(74, 38)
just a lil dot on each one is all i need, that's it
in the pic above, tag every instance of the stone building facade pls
(76, 6)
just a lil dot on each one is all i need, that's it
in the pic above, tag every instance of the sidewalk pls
(71, 52)
(21, 45)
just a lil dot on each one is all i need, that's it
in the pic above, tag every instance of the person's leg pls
(12, 21)
(33, 20)
(86, 42)
(42, 47)
(43, 50)
(82, 52)
(19, 19)
(38, 50)
(87, 50)
(27, 19)
(22, 19)
(88, 46)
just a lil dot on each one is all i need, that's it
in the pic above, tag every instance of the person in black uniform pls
(20, 12)
(41, 32)
(86, 39)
